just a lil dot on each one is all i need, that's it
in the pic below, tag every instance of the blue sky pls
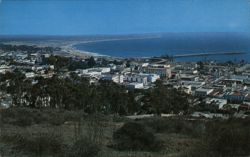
(79, 17)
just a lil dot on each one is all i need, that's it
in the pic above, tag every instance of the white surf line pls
(118, 39)
(115, 39)
(72, 48)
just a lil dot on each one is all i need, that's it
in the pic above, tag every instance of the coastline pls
(73, 51)
(69, 48)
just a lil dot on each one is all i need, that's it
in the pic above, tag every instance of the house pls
(46, 55)
(151, 77)
(217, 102)
(203, 92)
(5, 101)
(136, 78)
(4, 69)
(235, 96)
(30, 75)
(232, 81)
(194, 85)
(187, 77)
(93, 72)
(134, 85)
(184, 88)
(98, 70)
(115, 78)
(247, 100)
(21, 56)
(36, 57)
(209, 115)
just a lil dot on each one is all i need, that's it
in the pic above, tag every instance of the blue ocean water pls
(176, 43)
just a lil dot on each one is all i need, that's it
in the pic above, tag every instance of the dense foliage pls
(74, 92)
(36, 143)
(135, 136)
(228, 139)
(163, 99)
(82, 148)
(71, 64)
(66, 133)
(30, 49)
(70, 93)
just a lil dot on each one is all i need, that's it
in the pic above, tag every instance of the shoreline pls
(72, 50)
(69, 48)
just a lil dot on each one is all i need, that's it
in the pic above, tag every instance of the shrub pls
(56, 119)
(23, 121)
(18, 116)
(134, 136)
(224, 139)
(22, 116)
(39, 143)
(175, 125)
(84, 148)
(230, 139)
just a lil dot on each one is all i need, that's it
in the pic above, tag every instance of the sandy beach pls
(72, 50)
(67, 46)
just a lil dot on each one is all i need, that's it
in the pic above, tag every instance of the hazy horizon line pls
(120, 34)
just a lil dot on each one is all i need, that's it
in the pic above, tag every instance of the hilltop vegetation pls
(52, 132)
(68, 116)
(74, 93)
(30, 49)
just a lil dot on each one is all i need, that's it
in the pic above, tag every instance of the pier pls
(207, 54)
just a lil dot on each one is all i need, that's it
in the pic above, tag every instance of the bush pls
(224, 139)
(230, 139)
(22, 116)
(83, 148)
(56, 119)
(18, 116)
(23, 121)
(175, 125)
(39, 143)
(134, 136)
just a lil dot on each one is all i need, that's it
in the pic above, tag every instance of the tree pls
(91, 62)
(168, 100)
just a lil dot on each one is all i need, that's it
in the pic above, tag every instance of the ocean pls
(174, 44)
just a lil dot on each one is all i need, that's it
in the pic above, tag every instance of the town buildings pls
(213, 84)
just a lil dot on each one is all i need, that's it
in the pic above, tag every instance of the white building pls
(36, 57)
(115, 78)
(30, 75)
(97, 70)
(4, 69)
(186, 88)
(93, 72)
(137, 78)
(194, 85)
(188, 77)
(162, 70)
(202, 92)
(218, 102)
(135, 85)
(151, 77)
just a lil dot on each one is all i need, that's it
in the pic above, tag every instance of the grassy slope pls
(175, 144)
